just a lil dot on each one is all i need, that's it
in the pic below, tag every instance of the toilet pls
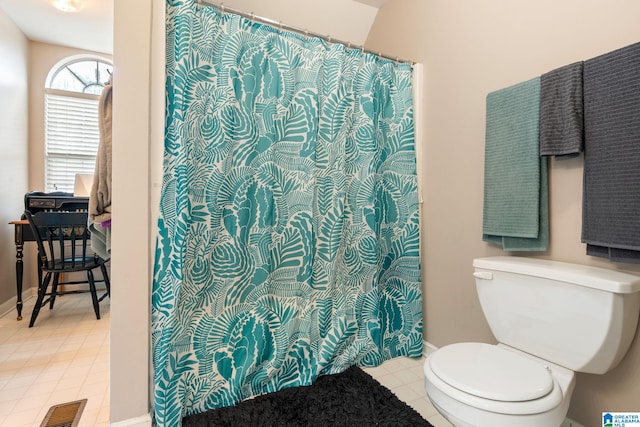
(551, 319)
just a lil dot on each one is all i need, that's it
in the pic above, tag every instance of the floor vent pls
(64, 415)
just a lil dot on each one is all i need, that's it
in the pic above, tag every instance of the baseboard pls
(428, 348)
(568, 422)
(143, 421)
(9, 307)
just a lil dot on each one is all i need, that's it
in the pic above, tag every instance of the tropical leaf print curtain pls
(288, 233)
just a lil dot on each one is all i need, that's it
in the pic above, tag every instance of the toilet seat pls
(491, 372)
(449, 370)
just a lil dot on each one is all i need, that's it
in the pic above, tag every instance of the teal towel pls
(516, 212)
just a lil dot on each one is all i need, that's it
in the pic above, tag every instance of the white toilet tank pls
(580, 317)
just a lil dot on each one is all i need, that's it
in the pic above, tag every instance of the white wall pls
(470, 48)
(130, 246)
(13, 146)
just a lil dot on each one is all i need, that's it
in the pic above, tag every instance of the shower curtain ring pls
(222, 8)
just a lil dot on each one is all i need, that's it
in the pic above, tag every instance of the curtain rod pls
(251, 16)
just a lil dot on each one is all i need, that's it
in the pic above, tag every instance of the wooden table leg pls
(19, 268)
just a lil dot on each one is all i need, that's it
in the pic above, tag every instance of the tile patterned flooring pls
(405, 378)
(65, 357)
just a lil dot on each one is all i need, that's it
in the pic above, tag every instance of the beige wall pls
(342, 20)
(470, 48)
(43, 57)
(14, 63)
(25, 67)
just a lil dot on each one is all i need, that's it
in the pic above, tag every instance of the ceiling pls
(92, 27)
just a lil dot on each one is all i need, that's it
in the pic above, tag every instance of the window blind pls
(71, 138)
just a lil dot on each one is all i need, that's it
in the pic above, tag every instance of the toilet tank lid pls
(584, 275)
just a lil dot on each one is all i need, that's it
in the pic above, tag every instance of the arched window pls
(72, 134)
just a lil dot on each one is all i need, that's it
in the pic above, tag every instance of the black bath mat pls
(351, 398)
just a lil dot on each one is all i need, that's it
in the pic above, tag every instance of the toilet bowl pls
(477, 384)
(551, 319)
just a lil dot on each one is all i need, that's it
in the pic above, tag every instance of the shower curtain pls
(288, 237)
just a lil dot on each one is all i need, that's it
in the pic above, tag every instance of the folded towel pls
(562, 111)
(515, 182)
(611, 195)
(541, 243)
(513, 244)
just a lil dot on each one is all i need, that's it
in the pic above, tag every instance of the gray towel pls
(611, 199)
(100, 196)
(101, 240)
(562, 111)
(614, 254)
(515, 212)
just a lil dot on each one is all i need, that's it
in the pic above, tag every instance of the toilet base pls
(449, 417)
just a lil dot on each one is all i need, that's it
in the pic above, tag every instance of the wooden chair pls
(63, 240)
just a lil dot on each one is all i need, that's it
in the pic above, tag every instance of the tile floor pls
(65, 357)
(405, 378)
